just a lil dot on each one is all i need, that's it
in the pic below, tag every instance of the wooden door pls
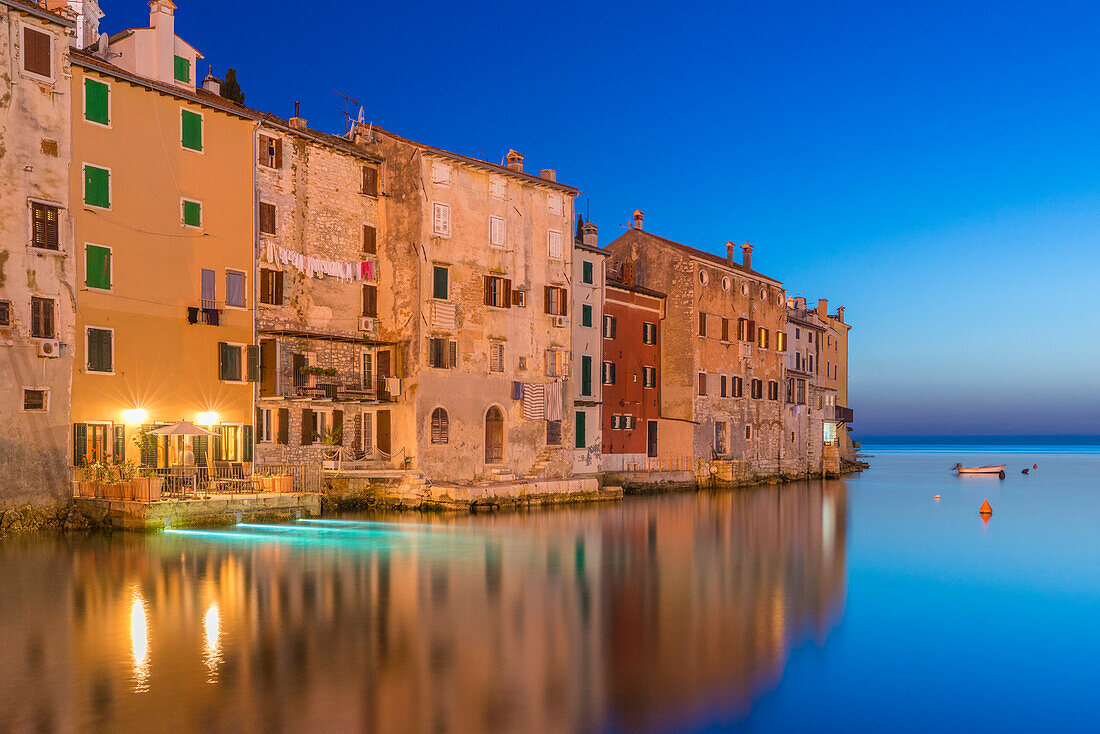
(494, 436)
(269, 369)
(651, 439)
(382, 432)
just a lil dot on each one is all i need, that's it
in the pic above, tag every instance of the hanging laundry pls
(534, 401)
(553, 401)
(517, 391)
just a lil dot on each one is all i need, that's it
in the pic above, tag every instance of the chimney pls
(800, 303)
(840, 314)
(729, 252)
(363, 133)
(549, 174)
(588, 234)
(162, 19)
(638, 217)
(746, 256)
(822, 307)
(211, 83)
(296, 122)
(514, 161)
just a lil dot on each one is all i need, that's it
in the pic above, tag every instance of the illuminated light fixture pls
(208, 419)
(134, 415)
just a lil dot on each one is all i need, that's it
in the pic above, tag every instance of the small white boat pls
(998, 469)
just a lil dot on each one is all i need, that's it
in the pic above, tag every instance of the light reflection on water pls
(621, 617)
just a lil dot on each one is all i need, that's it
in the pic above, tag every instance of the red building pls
(631, 372)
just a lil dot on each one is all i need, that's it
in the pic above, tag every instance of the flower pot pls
(283, 483)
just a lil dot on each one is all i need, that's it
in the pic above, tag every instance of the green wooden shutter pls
(439, 289)
(587, 268)
(580, 441)
(182, 69)
(223, 361)
(148, 447)
(192, 213)
(96, 106)
(246, 440)
(253, 362)
(586, 315)
(219, 454)
(80, 443)
(199, 445)
(97, 267)
(119, 449)
(97, 186)
(191, 129)
(586, 375)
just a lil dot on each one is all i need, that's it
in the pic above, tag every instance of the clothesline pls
(541, 400)
(316, 267)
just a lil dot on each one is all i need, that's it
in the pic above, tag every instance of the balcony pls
(842, 414)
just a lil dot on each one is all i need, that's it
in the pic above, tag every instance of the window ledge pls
(47, 251)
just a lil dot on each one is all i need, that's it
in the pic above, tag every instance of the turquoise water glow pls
(851, 605)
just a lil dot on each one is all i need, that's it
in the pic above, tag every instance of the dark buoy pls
(1025, 471)
(1002, 474)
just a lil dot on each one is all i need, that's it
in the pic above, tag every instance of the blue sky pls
(934, 167)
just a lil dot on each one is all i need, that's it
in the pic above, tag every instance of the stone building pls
(323, 368)
(588, 304)
(37, 247)
(834, 359)
(631, 372)
(805, 399)
(721, 353)
(478, 297)
(163, 173)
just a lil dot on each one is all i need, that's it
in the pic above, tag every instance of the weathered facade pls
(588, 303)
(478, 299)
(806, 401)
(323, 370)
(633, 431)
(722, 352)
(163, 173)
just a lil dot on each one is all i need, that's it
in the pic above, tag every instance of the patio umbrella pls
(183, 428)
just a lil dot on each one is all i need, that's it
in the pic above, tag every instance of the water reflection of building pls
(552, 621)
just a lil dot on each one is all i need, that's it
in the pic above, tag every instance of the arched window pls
(440, 431)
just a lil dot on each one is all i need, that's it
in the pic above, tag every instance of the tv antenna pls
(349, 106)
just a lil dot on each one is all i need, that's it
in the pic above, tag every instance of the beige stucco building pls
(37, 270)
(588, 279)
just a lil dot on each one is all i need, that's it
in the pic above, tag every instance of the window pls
(615, 422)
(441, 430)
(757, 389)
(191, 130)
(44, 232)
(586, 375)
(781, 341)
(366, 376)
(264, 429)
(191, 212)
(797, 333)
(579, 440)
(553, 433)
(439, 282)
(702, 383)
(554, 244)
(97, 186)
(649, 333)
(229, 362)
(725, 329)
(720, 437)
(810, 336)
(519, 298)
(441, 174)
(745, 330)
(586, 315)
(610, 326)
(496, 357)
(370, 300)
(627, 422)
(811, 363)
(182, 69)
(556, 300)
(234, 288)
(704, 277)
(37, 52)
(555, 363)
(737, 387)
(42, 318)
(609, 373)
(748, 432)
(97, 267)
(497, 231)
(800, 392)
(441, 220)
(99, 349)
(726, 283)
(442, 353)
(498, 187)
(35, 400)
(722, 386)
(790, 389)
(370, 181)
(702, 324)
(762, 338)
(553, 203)
(5, 313)
(267, 218)
(587, 272)
(270, 152)
(773, 390)
(498, 291)
(649, 377)
(370, 240)
(271, 286)
(96, 101)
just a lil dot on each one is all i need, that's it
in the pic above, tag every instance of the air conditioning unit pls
(49, 348)
(560, 321)
(367, 323)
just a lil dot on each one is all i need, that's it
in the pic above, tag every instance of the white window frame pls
(184, 199)
(259, 219)
(494, 221)
(366, 442)
(240, 438)
(84, 187)
(45, 402)
(550, 244)
(243, 274)
(84, 266)
(646, 371)
(500, 184)
(244, 364)
(438, 168)
(554, 204)
(202, 129)
(30, 225)
(23, 49)
(497, 357)
(114, 357)
(318, 435)
(110, 103)
(444, 227)
(264, 432)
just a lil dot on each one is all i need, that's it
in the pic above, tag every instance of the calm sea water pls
(852, 605)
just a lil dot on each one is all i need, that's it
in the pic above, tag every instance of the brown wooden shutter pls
(307, 426)
(262, 149)
(36, 51)
(488, 290)
(278, 152)
(547, 294)
(370, 240)
(283, 431)
(564, 302)
(266, 278)
(453, 353)
(507, 293)
(278, 288)
(370, 180)
(338, 426)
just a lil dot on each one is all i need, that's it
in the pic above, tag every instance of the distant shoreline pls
(977, 440)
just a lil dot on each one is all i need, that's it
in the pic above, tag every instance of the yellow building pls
(162, 192)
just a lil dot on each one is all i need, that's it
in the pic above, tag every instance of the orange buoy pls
(1034, 466)
(935, 496)
(986, 508)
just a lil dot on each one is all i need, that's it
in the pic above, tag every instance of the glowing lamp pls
(134, 415)
(208, 419)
